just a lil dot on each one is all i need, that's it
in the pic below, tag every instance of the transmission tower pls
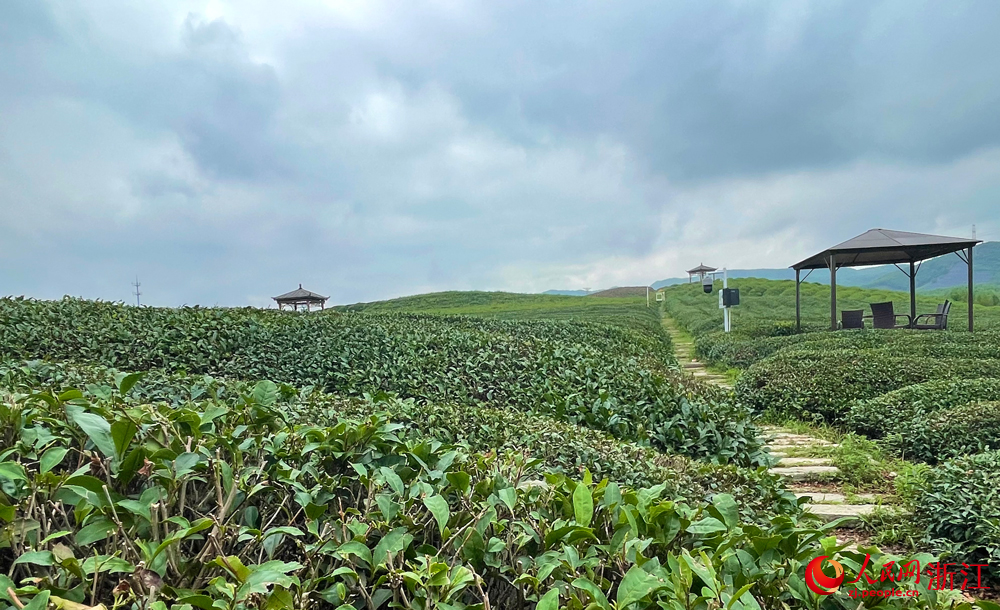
(136, 284)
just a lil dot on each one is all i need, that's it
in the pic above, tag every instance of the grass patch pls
(891, 526)
(865, 465)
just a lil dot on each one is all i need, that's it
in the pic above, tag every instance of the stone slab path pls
(800, 471)
(684, 351)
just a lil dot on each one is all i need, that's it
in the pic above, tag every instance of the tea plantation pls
(460, 450)
(928, 400)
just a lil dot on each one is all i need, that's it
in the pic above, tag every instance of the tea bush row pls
(736, 350)
(204, 505)
(956, 506)
(563, 447)
(604, 377)
(820, 385)
(885, 414)
(963, 430)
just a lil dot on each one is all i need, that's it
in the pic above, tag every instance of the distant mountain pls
(568, 293)
(943, 272)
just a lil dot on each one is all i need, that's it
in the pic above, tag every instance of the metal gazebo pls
(884, 247)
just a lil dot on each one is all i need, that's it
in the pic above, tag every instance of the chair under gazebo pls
(301, 298)
(884, 247)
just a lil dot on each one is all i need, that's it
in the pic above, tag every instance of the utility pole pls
(137, 293)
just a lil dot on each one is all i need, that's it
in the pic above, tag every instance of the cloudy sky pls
(226, 151)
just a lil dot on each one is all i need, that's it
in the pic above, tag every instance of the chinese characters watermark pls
(939, 577)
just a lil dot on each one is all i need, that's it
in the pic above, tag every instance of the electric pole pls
(137, 293)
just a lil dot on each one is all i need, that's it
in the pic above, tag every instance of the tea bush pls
(562, 447)
(203, 505)
(820, 385)
(889, 412)
(963, 430)
(958, 507)
(738, 350)
(609, 378)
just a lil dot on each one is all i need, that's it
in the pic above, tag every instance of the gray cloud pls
(227, 151)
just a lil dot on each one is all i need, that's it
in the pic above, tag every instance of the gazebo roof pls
(884, 247)
(701, 268)
(300, 295)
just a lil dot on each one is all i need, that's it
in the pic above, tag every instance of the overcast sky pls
(224, 152)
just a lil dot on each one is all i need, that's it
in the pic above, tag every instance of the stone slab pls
(804, 461)
(805, 440)
(832, 512)
(799, 473)
(821, 497)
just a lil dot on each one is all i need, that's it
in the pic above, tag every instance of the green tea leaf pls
(636, 585)
(51, 458)
(594, 591)
(96, 530)
(38, 558)
(727, 508)
(12, 471)
(707, 525)
(265, 393)
(583, 505)
(38, 602)
(122, 432)
(127, 382)
(395, 541)
(439, 508)
(95, 427)
(508, 495)
(549, 601)
(392, 479)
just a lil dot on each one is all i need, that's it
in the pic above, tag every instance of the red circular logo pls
(819, 582)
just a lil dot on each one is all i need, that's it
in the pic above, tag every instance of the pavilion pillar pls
(913, 293)
(969, 261)
(798, 307)
(833, 292)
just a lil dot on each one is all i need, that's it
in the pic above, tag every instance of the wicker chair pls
(940, 318)
(852, 318)
(883, 316)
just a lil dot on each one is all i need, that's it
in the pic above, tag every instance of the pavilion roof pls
(884, 247)
(300, 294)
(701, 268)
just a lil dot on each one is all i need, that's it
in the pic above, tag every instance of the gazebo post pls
(970, 287)
(913, 293)
(833, 292)
(798, 309)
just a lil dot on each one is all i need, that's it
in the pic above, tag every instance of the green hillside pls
(619, 311)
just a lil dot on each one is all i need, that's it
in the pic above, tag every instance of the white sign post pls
(726, 323)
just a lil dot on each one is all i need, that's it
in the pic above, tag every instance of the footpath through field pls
(814, 477)
(803, 461)
(684, 351)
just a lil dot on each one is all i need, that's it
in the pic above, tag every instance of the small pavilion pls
(701, 271)
(301, 298)
(884, 247)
